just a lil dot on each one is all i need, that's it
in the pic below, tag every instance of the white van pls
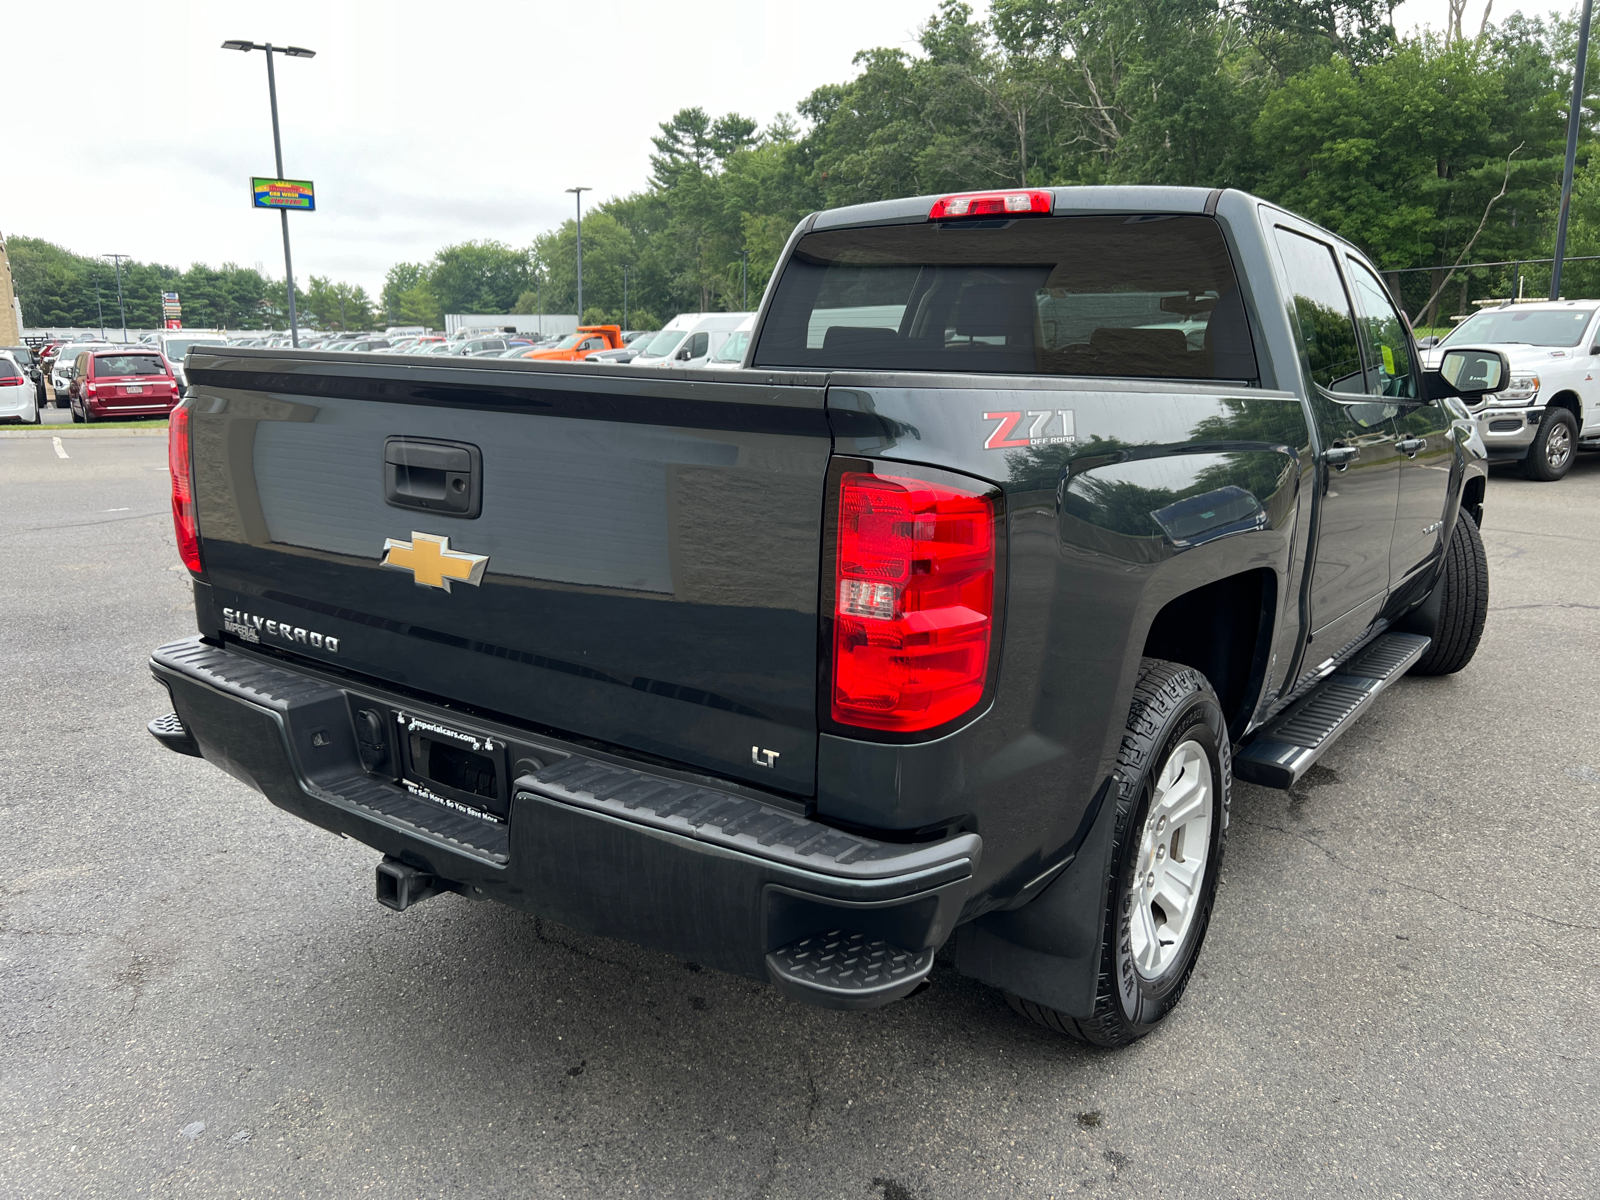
(730, 356)
(654, 349)
(703, 339)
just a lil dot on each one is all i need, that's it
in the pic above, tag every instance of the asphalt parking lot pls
(1399, 995)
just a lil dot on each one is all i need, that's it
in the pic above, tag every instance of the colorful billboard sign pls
(284, 193)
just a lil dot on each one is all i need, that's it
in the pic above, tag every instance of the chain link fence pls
(1476, 285)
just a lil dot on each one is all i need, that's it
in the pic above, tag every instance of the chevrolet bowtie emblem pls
(431, 561)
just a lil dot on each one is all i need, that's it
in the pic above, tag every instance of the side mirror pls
(1468, 374)
(1595, 349)
(1427, 343)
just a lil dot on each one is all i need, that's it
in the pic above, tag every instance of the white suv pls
(1550, 407)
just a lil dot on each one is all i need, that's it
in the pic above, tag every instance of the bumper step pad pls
(847, 970)
(169, 731)
(1282, 751)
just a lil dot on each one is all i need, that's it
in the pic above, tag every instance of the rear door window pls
(1146, 295)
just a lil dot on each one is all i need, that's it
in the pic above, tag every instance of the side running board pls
(1282, 750)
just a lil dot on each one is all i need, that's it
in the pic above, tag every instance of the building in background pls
(512, 322)
(10, 306)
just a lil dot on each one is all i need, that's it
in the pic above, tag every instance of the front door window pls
(1360, 487)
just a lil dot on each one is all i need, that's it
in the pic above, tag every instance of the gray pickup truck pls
(1031, 519)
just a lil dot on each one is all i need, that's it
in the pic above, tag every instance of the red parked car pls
(122, 382)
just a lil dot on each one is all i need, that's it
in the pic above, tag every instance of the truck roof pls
(1067, 199)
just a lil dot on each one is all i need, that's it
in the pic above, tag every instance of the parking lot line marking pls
(116, 510)
(61, 451)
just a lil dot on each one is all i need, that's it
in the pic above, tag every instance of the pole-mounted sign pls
(283, 193)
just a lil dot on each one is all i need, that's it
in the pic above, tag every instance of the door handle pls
(1339, 456)
(445, 478)
(1410, 446)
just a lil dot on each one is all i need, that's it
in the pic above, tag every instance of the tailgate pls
(651, 546)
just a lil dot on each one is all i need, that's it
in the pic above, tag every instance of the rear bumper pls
(668, 860)
(120, 408)
(18, 403)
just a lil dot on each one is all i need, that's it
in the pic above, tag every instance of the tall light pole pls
(277, 150)
(1574, 119)
(624, 295)
(577, 194)
(744, 280)
(99, 311)
(117, 258)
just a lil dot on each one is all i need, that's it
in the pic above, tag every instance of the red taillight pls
(183, 518)
(913, 601)
(992, 204)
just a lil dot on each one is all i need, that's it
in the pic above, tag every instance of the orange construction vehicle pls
(585, 342)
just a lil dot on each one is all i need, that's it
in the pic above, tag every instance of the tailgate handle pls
(434, 476)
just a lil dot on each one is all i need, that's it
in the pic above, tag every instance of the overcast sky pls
(421, 124)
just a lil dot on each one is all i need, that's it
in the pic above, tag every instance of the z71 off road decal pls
(1039, 427)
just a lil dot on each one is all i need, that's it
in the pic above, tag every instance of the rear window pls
(1140, 296)
(128, 364)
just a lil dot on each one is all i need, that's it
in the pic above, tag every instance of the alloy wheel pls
(1558, 445)
(1171, 866)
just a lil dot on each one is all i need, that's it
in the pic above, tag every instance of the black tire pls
(1172, 705)
(77, 417)
(1463, 605)
(1553, 448)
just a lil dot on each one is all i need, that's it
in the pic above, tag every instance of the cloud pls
(419, 126)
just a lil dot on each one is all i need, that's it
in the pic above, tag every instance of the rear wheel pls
(1463, 605)
(1170, 829)
(77, 417)
(1550, 454)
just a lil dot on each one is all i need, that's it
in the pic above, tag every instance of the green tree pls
(479, 277)
(401, 278)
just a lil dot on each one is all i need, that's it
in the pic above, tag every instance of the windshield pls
(128, 364)
(733, 349)
(1541, 327)
(663, 343)
(178, 347)
(567, 343)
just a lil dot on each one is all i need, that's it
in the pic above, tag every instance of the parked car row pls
(87, 377)
(688, 340)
